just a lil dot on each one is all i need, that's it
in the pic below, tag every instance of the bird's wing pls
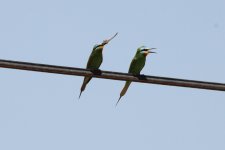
(94, 61)
(132, 65)
(90, 61)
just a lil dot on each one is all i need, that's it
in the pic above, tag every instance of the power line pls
(111, 75)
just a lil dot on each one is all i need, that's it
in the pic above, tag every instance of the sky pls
(42, 111)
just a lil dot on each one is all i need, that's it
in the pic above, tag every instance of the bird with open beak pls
(137, 64)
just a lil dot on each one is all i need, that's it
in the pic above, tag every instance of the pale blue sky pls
(37, 110)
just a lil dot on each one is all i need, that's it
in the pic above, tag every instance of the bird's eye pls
(96, 46)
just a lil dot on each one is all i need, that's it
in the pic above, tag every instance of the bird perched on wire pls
(137, 64)
(95, 61)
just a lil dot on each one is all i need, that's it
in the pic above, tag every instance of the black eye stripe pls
(97, 46)
(144, 50)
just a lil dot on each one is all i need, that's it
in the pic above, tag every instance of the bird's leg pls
(96, 71)
(140, 76)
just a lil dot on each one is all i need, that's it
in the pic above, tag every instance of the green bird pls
(95, 61)
(137, 64)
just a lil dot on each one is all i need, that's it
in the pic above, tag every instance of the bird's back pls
(137, 65)
(95, 60)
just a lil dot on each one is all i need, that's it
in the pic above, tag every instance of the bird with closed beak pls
(95, 61)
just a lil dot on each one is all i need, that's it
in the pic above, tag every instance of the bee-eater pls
(95, 61)
(137, 64)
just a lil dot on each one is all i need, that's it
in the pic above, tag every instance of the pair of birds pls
(95, 61)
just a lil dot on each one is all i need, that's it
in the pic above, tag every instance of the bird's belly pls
(96, 63)
(136, 68)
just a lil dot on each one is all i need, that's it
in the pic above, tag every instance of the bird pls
(136, 65)
(95, 61)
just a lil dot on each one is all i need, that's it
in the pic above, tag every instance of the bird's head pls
(98, 47)
(145, 50)
(105, 42)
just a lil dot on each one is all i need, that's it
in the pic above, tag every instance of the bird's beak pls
(107, 41)
(149, 50)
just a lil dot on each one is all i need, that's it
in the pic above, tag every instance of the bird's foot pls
(96, 71)
(140, 76)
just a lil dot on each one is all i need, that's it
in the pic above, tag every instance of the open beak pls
(149, 50)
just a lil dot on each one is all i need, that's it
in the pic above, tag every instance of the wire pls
(111, 75)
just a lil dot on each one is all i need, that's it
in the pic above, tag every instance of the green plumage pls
(94, 62)
(137, 64)
(95, 59)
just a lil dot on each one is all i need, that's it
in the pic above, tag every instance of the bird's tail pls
(85, 82)
(124, 90)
